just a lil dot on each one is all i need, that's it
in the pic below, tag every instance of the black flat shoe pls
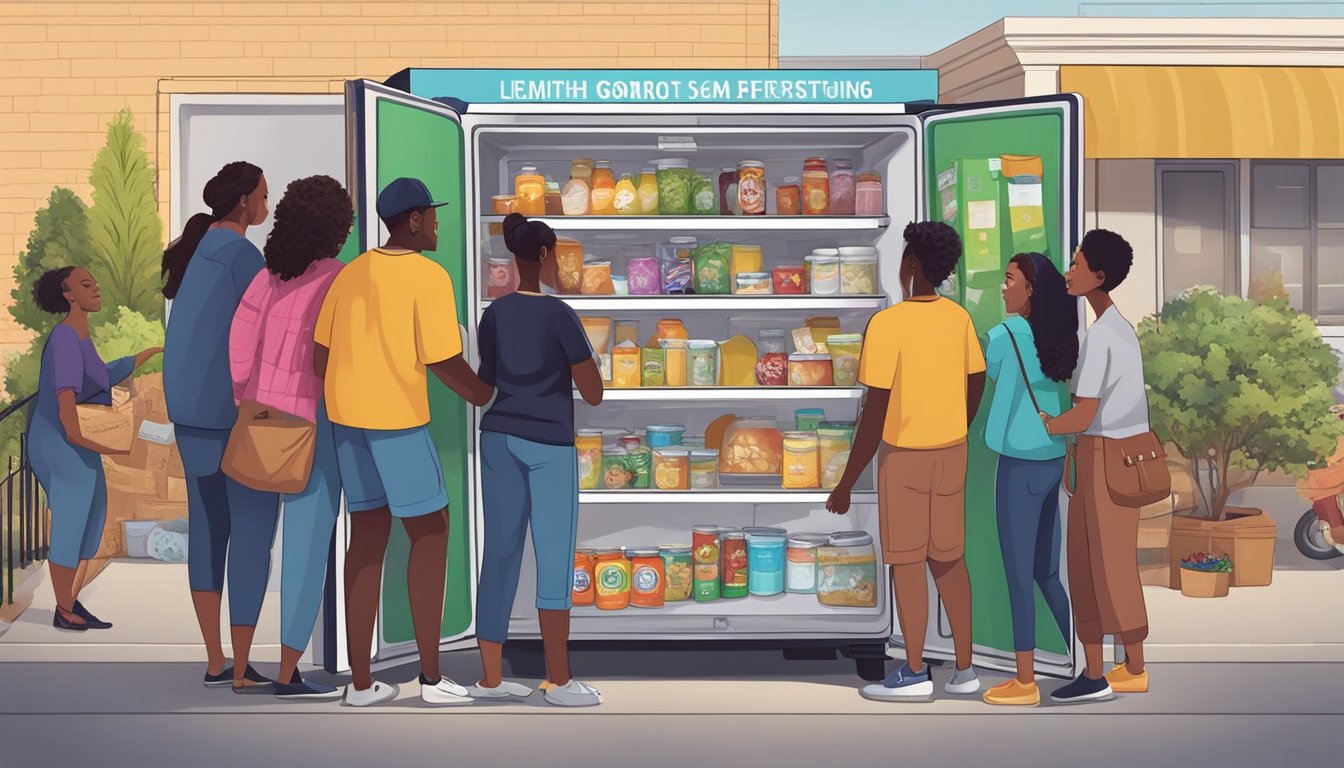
(225, 678)
(58, 621)
(93, 622)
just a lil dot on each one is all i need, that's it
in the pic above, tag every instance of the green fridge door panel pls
(399, 135)
(998, 216)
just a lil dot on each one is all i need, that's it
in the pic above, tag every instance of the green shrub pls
(60, 238)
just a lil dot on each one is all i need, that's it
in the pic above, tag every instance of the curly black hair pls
(312, 222)
(49, 291)
(1108, 253)
(936, 247)
(1053, 318)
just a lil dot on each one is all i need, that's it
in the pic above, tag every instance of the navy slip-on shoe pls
(306, 690)
(92, 621)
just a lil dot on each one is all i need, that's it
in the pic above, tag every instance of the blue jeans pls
(1027, 502)
(310, 522)
(76, 492)
(526, 482)
(227, 520)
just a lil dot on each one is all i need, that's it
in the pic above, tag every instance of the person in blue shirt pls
(1028, 357)
(534, 352)
(208, 269)
(67, 464)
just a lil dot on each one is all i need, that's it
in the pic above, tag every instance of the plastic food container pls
(647, 578)
(746, 258)
(752, 283)
(834, 439)
(788, 197)
(501, 277)
(597, 279)
(858, 271)
(671, 469)
(713, 264)
(816, 187)
(705, 563)
(625, 373)
(704, 468)
(868, 194)
(653, 371)
(844, 349)
(772, 366)
(644, 276)
(702, 360)
(751, 446)
(810, 370)
(569, 265)
(800, 460)
(808, 419)
(674, 361)
(823, 268)
(733, 569)
(502, 205)
(790, 279)
(842, 188)
(664, 435)
(765, 561)
(575, 198)
(676, 259)
(611, 573)
(674, 187)
(800, 577)
(588, 443)
(751, 187)
(676, 572)
(847, 571)
(704, 193)
(616, 471)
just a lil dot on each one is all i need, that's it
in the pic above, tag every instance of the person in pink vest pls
(271, 361)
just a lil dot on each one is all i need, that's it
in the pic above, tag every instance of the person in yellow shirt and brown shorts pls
(388, 319)
(925, 374)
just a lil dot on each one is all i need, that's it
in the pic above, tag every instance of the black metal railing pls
(25, 526)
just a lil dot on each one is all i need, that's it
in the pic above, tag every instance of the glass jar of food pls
(503, 205)
(751, 187)
(588, 444)
(765, 561)
(728, 193)
(554, 205)
(643, 276)
(824, 271)
(712, 264)
(647, 578)
(733, 563)
(674, 362)
(677, 572)
(583, 590)
(789, 197)
(704, 193)
(834, 439)
(702, 360)
(847, 571)
(676, 258)
(597, 279)
(626, 200)
(752, 283)
(530, 187)
(674, 187)
(800, 460)
(772, 365)
(816, 187)
(751, 447)
(664, 435)
(603, 189)
(705, 562)
(671, 469)
(800, 577)
(704, 468)
(868, 200)
(842, 188)
(844, 349)
(581, 168)
(810, 370)
(648, 192)
(790, 279)
(611, 573)
(501, 277)
(746, 258)
(858, 270)
(616, 474)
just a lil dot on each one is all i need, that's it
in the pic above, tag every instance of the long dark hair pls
(525, 238)
(1053, 318)
(221, 196)
(312, 222)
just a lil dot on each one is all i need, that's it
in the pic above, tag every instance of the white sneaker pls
(445, 692)
(963, 682)
(574, 694)
(505, 690)
(374, 694)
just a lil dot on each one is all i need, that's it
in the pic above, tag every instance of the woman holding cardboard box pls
(67, 461)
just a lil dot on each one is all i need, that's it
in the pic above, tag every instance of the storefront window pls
(1297, 236)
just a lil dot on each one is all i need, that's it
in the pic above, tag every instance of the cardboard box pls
(114, 542)
(120, 396)
(146, 383)
(123, 504)
(177, 489)
(125, 478)
(160, 509)
(107, 426)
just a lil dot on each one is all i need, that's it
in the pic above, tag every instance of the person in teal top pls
(1028, 358)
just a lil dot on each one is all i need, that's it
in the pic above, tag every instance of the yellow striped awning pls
(1210, 112)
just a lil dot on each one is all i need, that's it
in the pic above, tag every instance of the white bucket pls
(137, 536)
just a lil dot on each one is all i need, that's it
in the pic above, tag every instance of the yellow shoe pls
(1014, 694)
(1123, 681)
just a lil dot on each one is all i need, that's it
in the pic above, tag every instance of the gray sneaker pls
(574, 694)
(963, 682)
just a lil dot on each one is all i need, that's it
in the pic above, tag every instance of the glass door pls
(1008, 177)
(392, 134)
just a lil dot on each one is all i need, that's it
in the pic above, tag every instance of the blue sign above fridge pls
(672, 86)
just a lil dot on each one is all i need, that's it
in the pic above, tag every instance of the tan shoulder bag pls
(270, 450)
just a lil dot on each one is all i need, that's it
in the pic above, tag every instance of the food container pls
(616, 470)
(702, 360)
(530, 188)
(847, 571)
(704, 468)
(625, 373)
(705, 561)
(502, 205)
(648, 581)
(823, 271)
(789, 197)
(664, 435)
(728, 205)
(626, 331)
(746, 283)
(704, 193)
(751, 446)
(746, 258)
(644, 276)
(652, 372)
(619, 285)
(734, 568)
(671, 469)
(611, 573)
(597, 279)
(674, 187)
(834, 439)
(751, 187)
(693, 442)
(554, 205)
(800, 576)
(833, 470)
(772, 365)
(810, 370)
(765, 561)
(648, 192)
(790, 279)
(576, 197)
(674, 361)
(868, 194)
(581, 168)
(626, 201)
(584, 592)
(842, 188)
(671, 328)
(677, 572)
(569, 265)
(858, 271)
(816, 187)
(501, 277)
(588, 444)
(807, 419)
(844, 349)
(639, 462)
(676, 259)
(603, 189)
(800, 460)
(712, 269)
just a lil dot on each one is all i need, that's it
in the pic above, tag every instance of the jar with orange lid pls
(611, 575)
(584, 591)
(530, 187)
(603, 189)
(672, 469)
(816, 187)
(648, 582)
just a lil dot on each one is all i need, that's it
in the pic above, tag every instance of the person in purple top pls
(67, 464)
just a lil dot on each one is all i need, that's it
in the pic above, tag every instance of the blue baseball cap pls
(402, 195)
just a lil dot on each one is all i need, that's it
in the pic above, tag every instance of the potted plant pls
(1204, 575)
(1238, 388)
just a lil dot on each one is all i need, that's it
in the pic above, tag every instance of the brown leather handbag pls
(270, 450)
(1136, 470)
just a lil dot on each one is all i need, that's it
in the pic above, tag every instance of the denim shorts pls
(394, 468)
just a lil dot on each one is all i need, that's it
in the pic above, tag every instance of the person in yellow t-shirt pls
(925, 374)
(388, 319)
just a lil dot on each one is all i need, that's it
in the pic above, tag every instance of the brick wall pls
(66, 68)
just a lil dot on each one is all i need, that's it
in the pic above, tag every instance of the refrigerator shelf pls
(683, 303)
(708, 223)
(785, 604)
(720, 496)
(716, 394)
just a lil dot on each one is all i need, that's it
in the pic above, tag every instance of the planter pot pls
(1246, 537)
(1204, 583)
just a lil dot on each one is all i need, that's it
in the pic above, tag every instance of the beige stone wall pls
(66, 68)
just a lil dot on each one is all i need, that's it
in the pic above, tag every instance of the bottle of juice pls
(604, 189)
(530, 188)
(648, 192)
(626, 201)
